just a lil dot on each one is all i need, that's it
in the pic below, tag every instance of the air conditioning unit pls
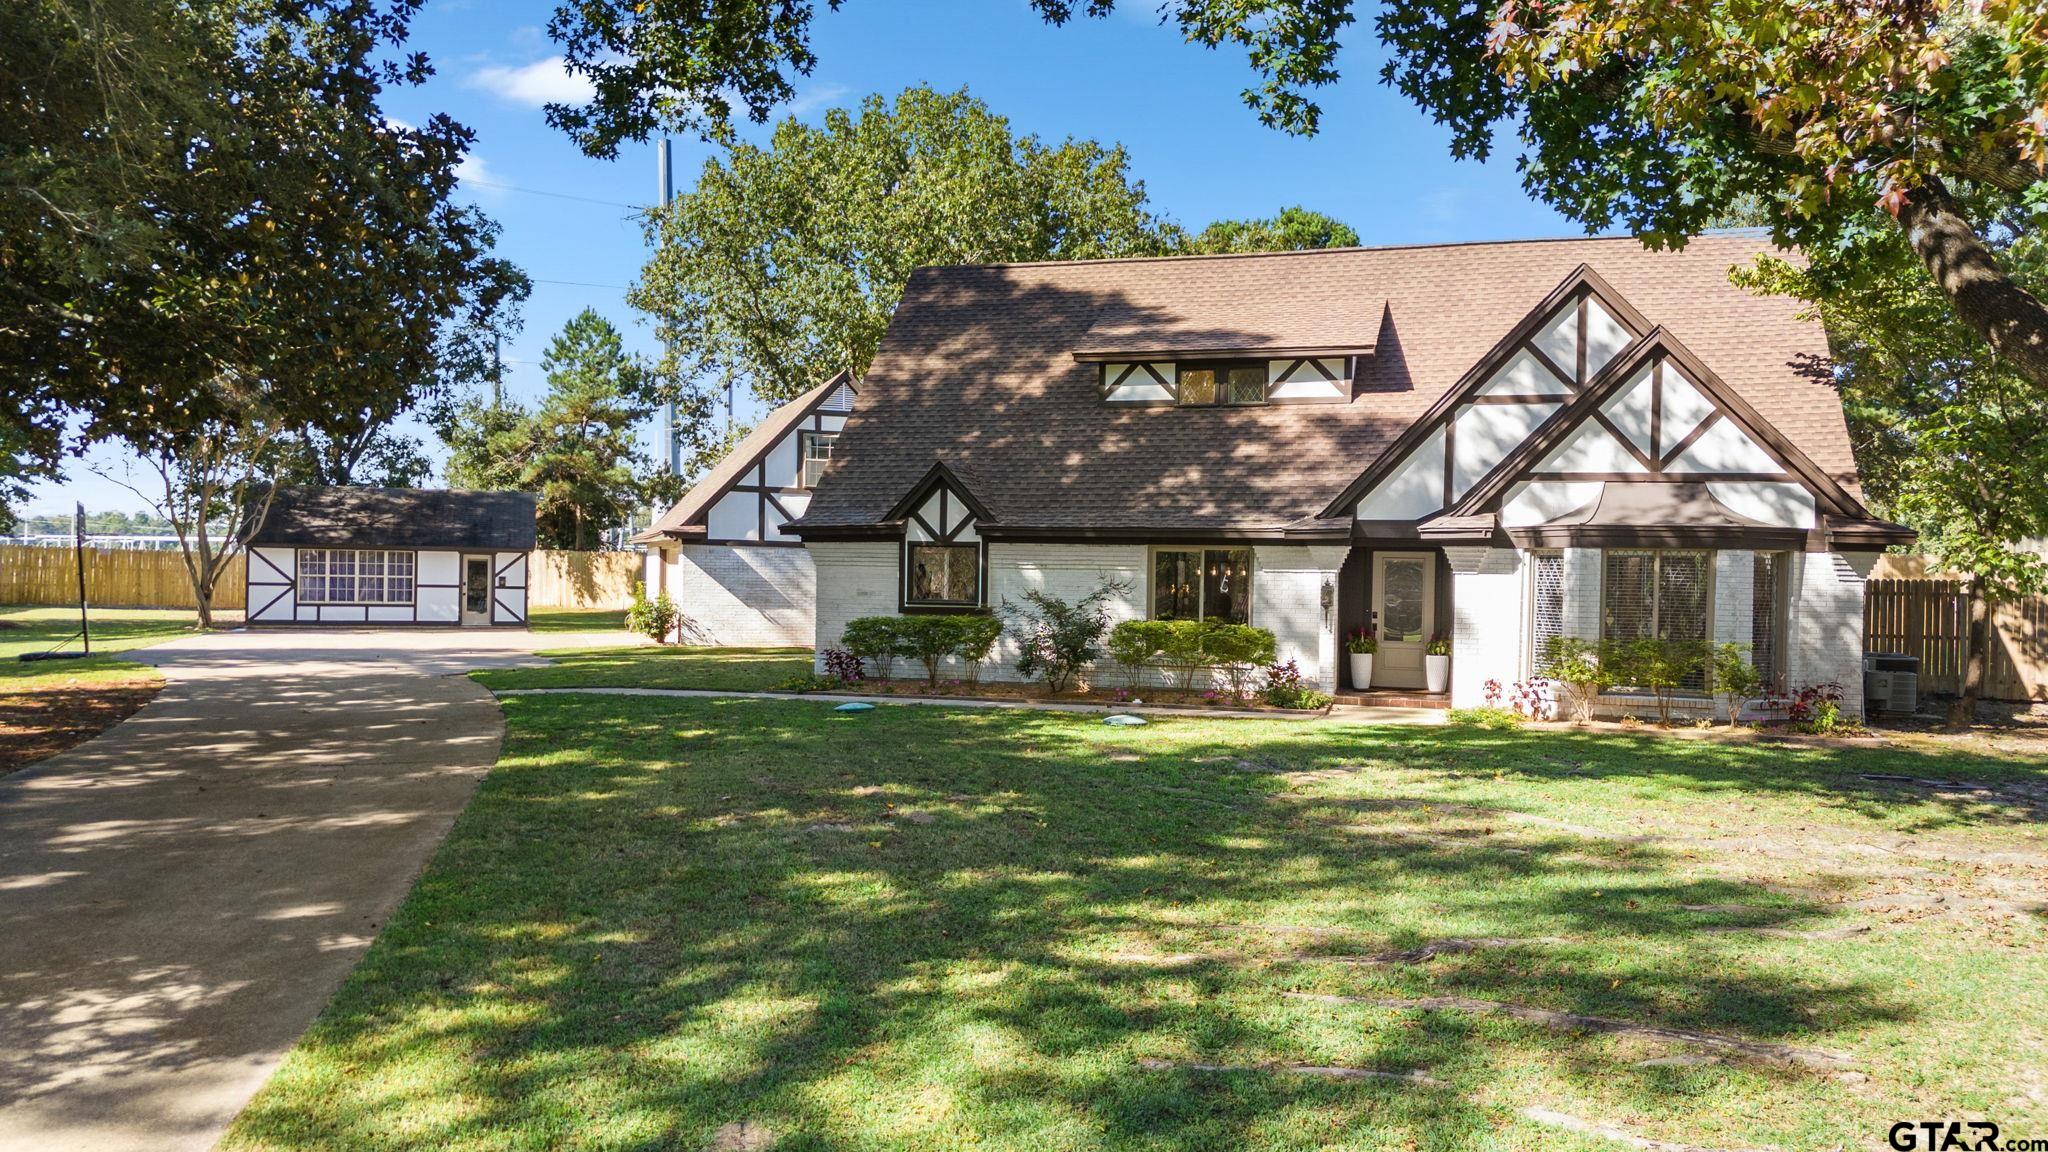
(1891, 683)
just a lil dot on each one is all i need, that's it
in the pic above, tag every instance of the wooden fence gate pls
(1929, 617)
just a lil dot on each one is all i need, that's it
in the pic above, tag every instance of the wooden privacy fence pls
(1929, 617)
(587, 580)
(114, 578)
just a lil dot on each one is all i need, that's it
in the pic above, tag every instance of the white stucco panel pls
(1629, 409)
(1524, 375)
(1542, 501)
(1605, 338)
(1414, 489)
(1684, 406)
(1724, 448)
(1590, 449)
(1485, 434)
(1786, 505)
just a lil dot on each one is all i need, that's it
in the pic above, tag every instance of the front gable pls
(1546, 359)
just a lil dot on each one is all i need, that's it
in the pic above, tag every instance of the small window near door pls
(1202, 584)
(817, 452)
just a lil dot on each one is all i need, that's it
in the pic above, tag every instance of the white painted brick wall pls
(854, 579)
(1827, 626)
(739, 596)
(1582, 574)
(1488, 620)
(1288, 585)
(1734, 593)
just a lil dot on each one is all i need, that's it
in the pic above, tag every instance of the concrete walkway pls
(181, 896)
(1350, 713)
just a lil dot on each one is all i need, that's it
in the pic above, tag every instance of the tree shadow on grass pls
(661, 918)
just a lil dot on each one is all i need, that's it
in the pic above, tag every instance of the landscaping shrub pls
(927, 640)
(1660, 666)
(1056, 639)
(976, 639)
(873, 640)
(1735, 678)
(1576, 664)
(1133, 644)
(1285, 688)
(654, 618)
(843, 666)
(1181, 652)
(1498, 719)
(1237, 649)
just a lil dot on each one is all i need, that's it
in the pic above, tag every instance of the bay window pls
(1660, 595)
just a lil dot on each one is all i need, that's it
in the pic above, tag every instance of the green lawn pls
(728, 669)
(676, 923)
(576, 620)
(37, 629)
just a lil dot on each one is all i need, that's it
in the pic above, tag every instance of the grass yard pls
(545, 620)
(679, 923)
(727, 669)
(48, 706)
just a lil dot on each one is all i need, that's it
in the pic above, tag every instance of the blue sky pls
(1378, 163)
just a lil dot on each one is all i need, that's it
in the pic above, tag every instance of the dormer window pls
(1206, 383)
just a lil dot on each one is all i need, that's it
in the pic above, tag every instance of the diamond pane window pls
(1546, 607)
(1223, 382)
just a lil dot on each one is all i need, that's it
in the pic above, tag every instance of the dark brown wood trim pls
(1450, 459)
(1109, 388)
(1658, 536)
(1620, 437)
(1582, 280)
(1579, 372)
(1655, 477)
(1690, 438)
(1097, 356)
(702, 519)
(1337, 532)
(1563, 374)
(1519, 398)
(272, 602)
(752, 543)
(1657, 415)
(282, 574)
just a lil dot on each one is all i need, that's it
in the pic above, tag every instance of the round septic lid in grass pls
(855, 706)
(1124, 720)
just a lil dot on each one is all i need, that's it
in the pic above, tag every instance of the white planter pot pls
(1438, 669)
(1361, 670)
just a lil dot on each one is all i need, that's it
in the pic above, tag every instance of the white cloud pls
(541, 82)
(816, 97)
(473, 170)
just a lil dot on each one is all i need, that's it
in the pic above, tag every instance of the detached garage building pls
(391, 556)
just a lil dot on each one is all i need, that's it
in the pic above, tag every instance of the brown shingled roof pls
(978, 369)
(1212, 318)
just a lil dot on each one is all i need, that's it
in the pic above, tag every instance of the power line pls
(555, 195)
(580, 284)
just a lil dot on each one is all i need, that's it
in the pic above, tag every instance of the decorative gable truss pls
(1559, 348)
(774, 485)
(944, 562)
(1659, 415)
(1294, 380)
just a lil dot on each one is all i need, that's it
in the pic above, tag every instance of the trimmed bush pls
(655, 619)
(1056, 639)
(977, 638)
(1134, 643)
(872, 639)
(1236, 650)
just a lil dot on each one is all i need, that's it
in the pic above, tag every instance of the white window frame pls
(326, 565)
(804, 440)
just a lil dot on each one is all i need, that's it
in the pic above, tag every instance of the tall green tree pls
(577, 451)
(1656, 115)
(1293, 230)
(1950, 439)
(782, 265)
(216, 240)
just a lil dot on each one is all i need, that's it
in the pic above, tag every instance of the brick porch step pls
(1395, 698)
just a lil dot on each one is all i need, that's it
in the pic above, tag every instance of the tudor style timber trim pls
(1581, 285)
(942, 484)
(1657, 346)
(752, 478)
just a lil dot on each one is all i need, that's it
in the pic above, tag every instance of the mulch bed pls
(1103, 697)
(46, 721)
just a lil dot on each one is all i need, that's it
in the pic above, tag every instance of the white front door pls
(1404, 611)
(476, 589)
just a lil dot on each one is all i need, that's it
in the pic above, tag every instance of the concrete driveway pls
(181, 896)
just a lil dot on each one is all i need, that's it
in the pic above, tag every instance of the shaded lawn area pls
(725, 669)
(48, 706)
(680, 923)
(576, 620)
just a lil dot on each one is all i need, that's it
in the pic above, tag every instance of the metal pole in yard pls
(78, 549)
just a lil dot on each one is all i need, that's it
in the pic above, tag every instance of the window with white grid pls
(355, 576)
(1660, 595)
(1766, 648)
(1546, 607)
